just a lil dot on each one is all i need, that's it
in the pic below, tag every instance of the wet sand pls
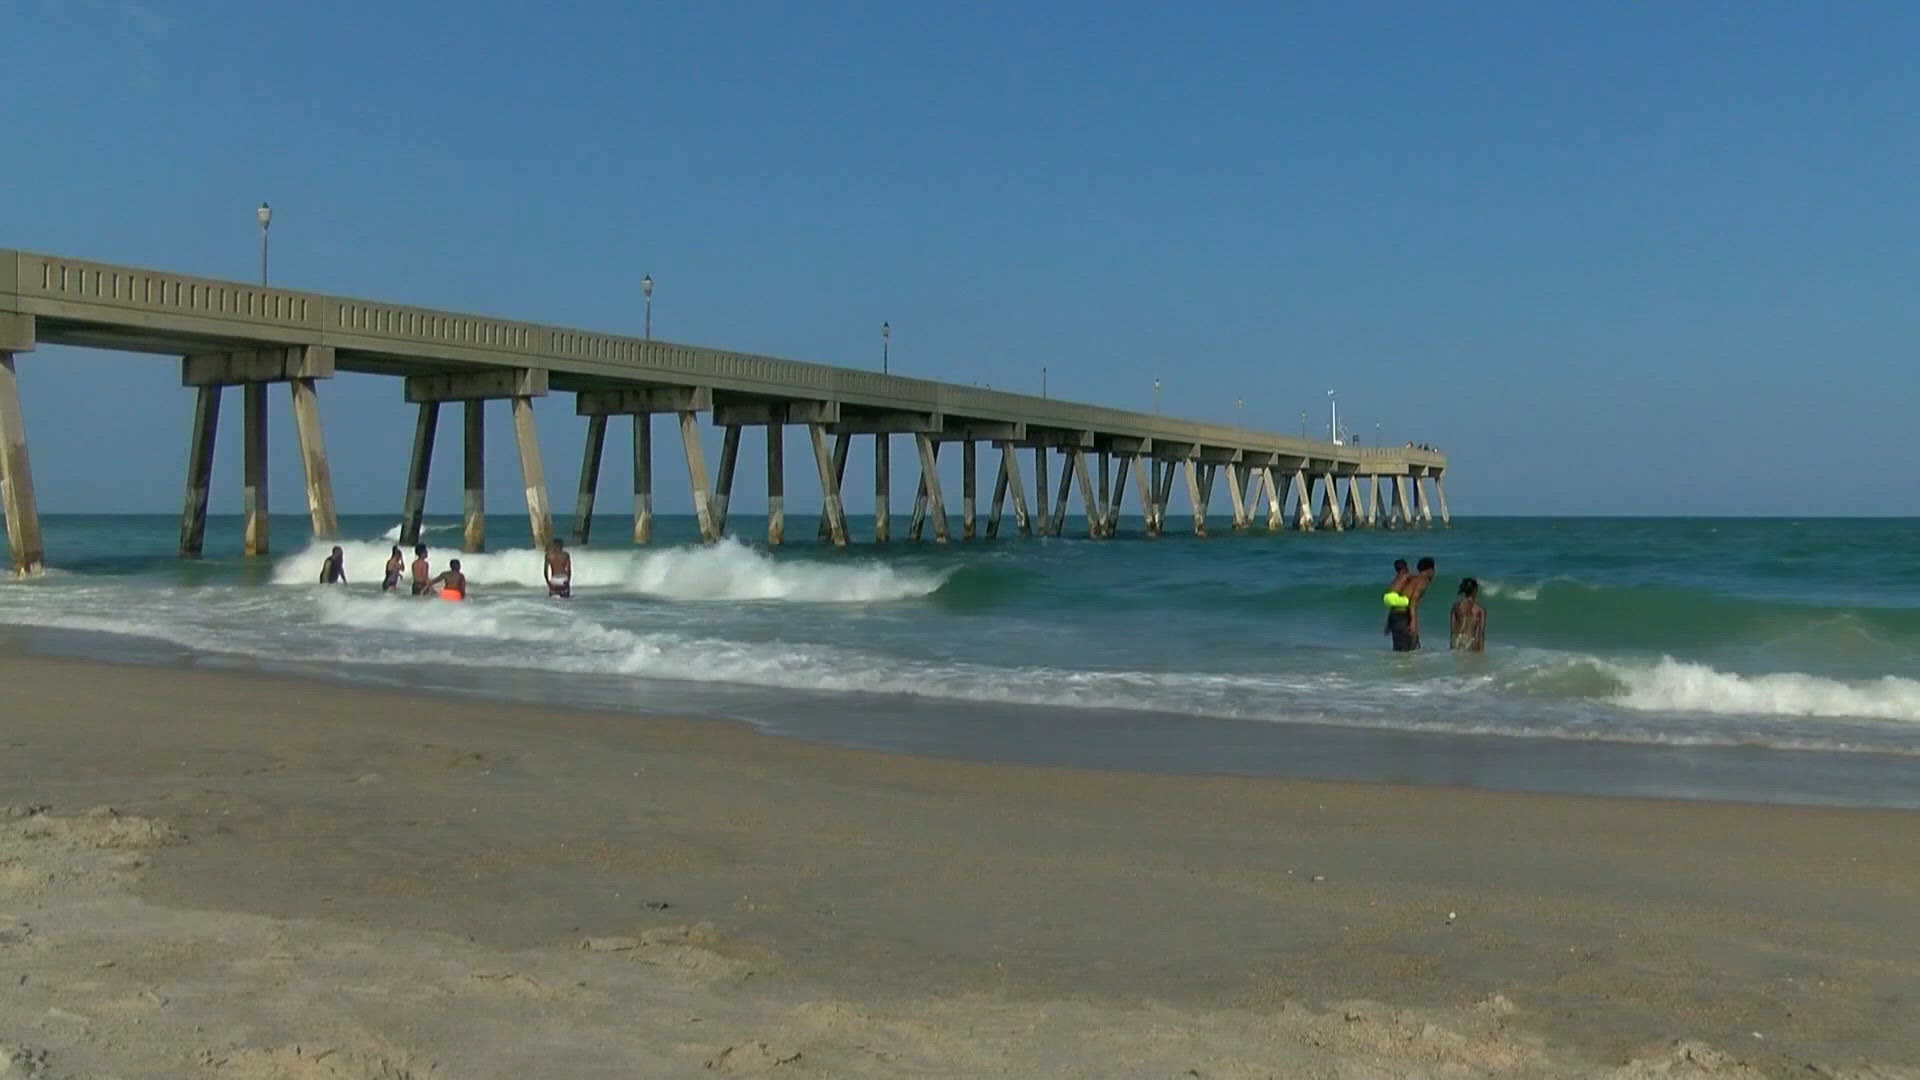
(301, 879)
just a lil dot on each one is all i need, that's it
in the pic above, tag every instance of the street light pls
(1156, 397)
(1334, 402)
(265, 215)
(1376, 433)
(886, 347)
(1240, 411)
(1303, 423)
(1043, 380)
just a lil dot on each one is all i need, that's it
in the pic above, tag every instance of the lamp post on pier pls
(265, 216)
(1334, 427)
(646, 290)
(1156, 397)
(886, 348)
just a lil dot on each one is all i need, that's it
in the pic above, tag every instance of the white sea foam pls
(1680, 686)
(729, 570)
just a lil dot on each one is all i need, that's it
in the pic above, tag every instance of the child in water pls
(1468, 619)
(452, 583)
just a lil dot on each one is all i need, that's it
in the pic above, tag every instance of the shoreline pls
(1120, 740)
(973, 918)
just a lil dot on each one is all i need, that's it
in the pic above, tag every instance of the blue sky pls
(1614, 258)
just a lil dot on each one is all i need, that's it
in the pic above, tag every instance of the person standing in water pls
(559, 570)
(396, 565)
(1403, 616)
(1467, 624)
(452, 584)
(334, 570)
(422, 574)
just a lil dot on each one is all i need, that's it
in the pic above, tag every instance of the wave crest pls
(729, 570)
(1679, 686)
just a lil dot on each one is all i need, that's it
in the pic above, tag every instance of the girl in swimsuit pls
(395, 564)
(1468, 619)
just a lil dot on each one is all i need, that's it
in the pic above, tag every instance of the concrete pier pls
(249, 336)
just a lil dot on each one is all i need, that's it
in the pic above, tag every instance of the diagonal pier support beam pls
(841, 443)
(1403, 511)
(832, 517)
(1095, 517)
(313, 459)
(1238, 492)
(1195, 498)
(1302, 501)
(28, 555)
(419, 464)
(930, 485)
(999, 496)
(532, 476)
(1118, 495)
(1440, 491)
(206, 425)
(1142, 470)
(697, 476)
(723, 489)
(589, 479)
(1060, 498)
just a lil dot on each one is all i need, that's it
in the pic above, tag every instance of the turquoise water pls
(1763, 653)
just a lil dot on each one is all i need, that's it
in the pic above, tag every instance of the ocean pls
(1765, 660)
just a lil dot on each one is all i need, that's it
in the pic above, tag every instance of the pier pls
(233, 335)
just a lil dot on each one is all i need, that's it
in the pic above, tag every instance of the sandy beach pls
(209, 873)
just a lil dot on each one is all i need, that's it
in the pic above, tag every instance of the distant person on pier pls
(559, 570)
(1467, 624)
(452, 584)
(334, 570)
(1403, 622)
(396, 565)
(422, 574)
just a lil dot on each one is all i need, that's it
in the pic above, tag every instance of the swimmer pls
(421, 572)
(396, 564)
(1468, 620)
(452, 584)
(559, 570)
(1403, 621)
(334, 570)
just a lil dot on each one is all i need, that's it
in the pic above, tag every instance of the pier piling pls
(882, 487)
(206, 425)
(776, 483)
(589, 479)
(473, 504)
(425, 427)
(968, 480)
(16, 474)
(831, 513)
(642, 478)
(253, 493)
(697, 476)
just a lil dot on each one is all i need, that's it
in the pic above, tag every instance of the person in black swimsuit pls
(334, 570)
(395, 565)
